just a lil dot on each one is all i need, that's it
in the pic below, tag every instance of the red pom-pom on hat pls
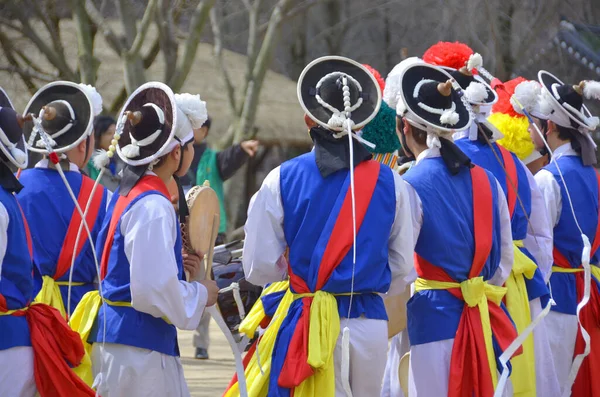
(504, 94)
(377, 75)
(453, 55)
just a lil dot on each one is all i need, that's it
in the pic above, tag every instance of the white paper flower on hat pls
(591, 90)
(527, 94)
(391, 92)
(193, 107)
(94, 96)
(476, 92)
(475, 61)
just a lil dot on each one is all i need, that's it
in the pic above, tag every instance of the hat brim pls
(411, 77)
(82, 107)
(548, 80)
(492, 96)
(320, 67)
(5, 102)
(161, 95)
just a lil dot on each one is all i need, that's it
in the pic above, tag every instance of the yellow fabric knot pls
(50, 295)
(82, 321)
(256, 315)
(517, 304)
(476, 292)
(259, 367)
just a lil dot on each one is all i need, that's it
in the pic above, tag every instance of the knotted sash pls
(50, 292)
(586, 383)
(473, 369)
(314, 322)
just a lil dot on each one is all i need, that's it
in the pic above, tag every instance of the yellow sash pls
(50, 294)
(517, 303)
(82, 321)
(476, 292)
(324, 329)
(259, 367)
(323, 332)
(595, 270)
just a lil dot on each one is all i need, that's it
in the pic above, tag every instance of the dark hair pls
(207, 123)
(419, 135)
(101, 124)
(569, 134)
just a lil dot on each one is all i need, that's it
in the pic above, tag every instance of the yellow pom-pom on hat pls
(512, 125)
(516, 137)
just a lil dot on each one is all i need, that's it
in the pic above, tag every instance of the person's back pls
(570, 186)
(306, 205)
(50, 210)
(463, 251)
(47, 203)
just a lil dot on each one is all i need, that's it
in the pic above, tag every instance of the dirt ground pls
(207, 378)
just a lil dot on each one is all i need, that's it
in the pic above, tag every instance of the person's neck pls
(555, 142)
(164, 173)
(418, 149)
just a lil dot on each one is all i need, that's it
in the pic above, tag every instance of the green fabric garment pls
(92, 171)
(382, 131)
(208, 170)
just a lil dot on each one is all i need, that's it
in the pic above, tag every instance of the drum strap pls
(146, 184)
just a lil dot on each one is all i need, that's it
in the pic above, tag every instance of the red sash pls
(469, 366)
(65, 257)
(147, 183)
(585, 385)
(56, 348)
(295, 368)
(511, 175)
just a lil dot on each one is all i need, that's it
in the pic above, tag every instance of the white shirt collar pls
(43, 163)
(565, 150)
(428, 153)
(461, 134)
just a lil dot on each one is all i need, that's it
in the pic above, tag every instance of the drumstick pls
(211, 250)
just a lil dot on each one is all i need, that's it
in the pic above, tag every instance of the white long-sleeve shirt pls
(265, 241)
(549, 186)
(150, 230)
(506, 245)
(4, 221)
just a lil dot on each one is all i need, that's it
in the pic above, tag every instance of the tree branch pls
(88, 64)
(199, 18)
(59, 62)
(300, 8)
(7, 47)
(96, 17)
(143, 31)
(260, 69)
(166, 36)
(28, 72)
(218, 49)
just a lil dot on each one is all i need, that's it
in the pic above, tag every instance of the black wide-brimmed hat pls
(12, 142)
(428, 98)
(321, 92)
(567, 99)
(147, 122)
(476, 90)
(67, 118)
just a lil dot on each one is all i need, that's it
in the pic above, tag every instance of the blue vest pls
(446, 240)
(49, 209)
(482, 155)
(311, 205)
(582, 184)
(125, 325)
(16, 284)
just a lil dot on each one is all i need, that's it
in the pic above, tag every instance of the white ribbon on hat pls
(19, 155)
(133, 149)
